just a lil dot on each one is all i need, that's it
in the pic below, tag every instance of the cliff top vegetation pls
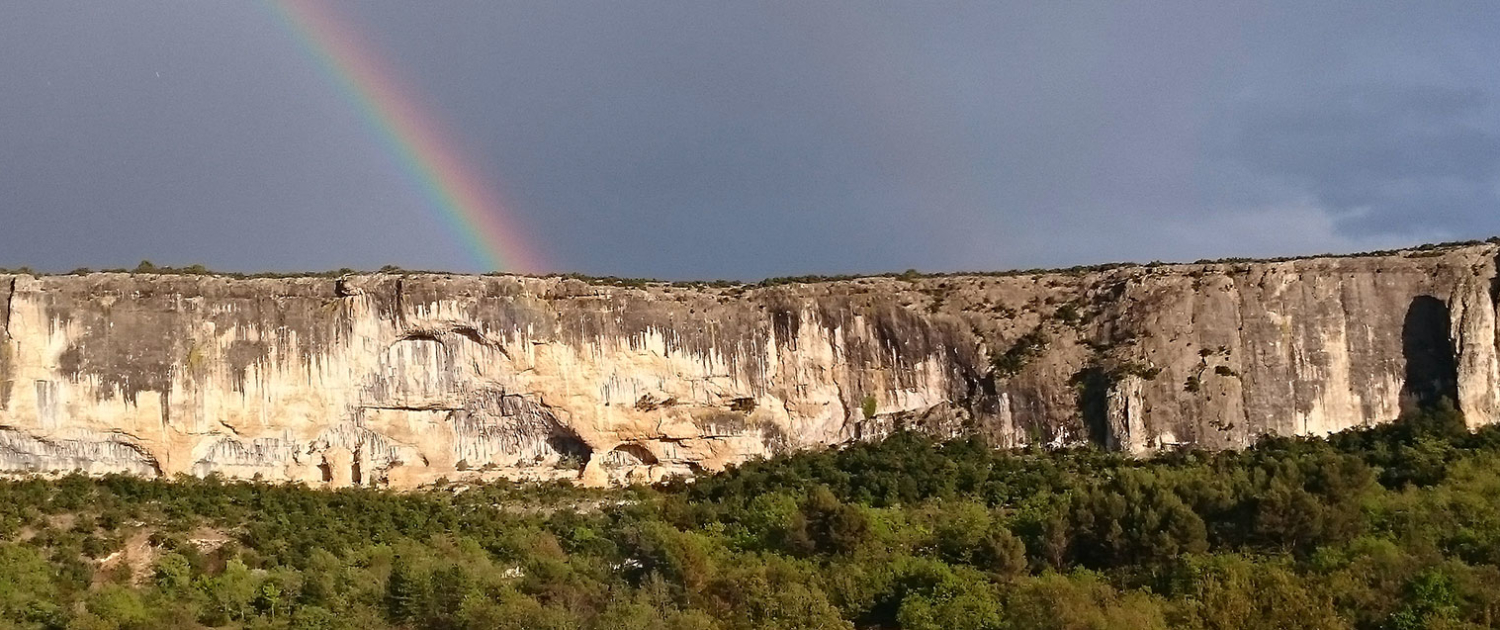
(147, 267)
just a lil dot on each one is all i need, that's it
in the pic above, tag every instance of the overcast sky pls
(751, 139)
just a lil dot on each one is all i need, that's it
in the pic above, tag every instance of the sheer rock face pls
(401, 380)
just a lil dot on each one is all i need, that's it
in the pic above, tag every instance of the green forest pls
(1394, 527)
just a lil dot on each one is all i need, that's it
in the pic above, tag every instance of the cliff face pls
(400, 380)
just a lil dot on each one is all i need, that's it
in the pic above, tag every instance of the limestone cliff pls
(402, 379)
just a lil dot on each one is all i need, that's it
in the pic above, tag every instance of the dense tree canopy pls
(1388, 527)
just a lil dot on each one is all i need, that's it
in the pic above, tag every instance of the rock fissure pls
(10, 290)
(7, 353)
(434, 407)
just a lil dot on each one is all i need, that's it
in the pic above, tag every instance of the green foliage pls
(1139, 370)
(825, 525)
(174, 574)
(26, 581)
(1392, 526)
(1069, 314)
(1025, 349)
(910, 275)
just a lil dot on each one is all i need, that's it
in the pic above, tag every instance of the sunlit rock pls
(403, 380)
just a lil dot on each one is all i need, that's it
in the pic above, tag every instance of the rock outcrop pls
(404, 379)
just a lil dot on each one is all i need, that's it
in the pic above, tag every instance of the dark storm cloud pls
(747, 139)
(1384, 159)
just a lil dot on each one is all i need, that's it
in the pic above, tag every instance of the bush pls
(1021, 353)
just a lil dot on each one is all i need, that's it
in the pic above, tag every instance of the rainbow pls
(434, 164)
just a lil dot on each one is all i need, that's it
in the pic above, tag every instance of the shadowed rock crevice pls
(628, 456)
(1495, 291)
(7, 371)
(1427, 348)
(572, 451)
(1092, 385)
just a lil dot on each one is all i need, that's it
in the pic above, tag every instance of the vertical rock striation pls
(404, 379)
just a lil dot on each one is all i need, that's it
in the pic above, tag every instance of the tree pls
(25, 577)
(119, 606)
(270, 597)
(1430, 597)
(406, 592)
(233, 590)
(173, 574)
(823, 524)
(1002, 553)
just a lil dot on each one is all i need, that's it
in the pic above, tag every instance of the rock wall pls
(404, 379)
